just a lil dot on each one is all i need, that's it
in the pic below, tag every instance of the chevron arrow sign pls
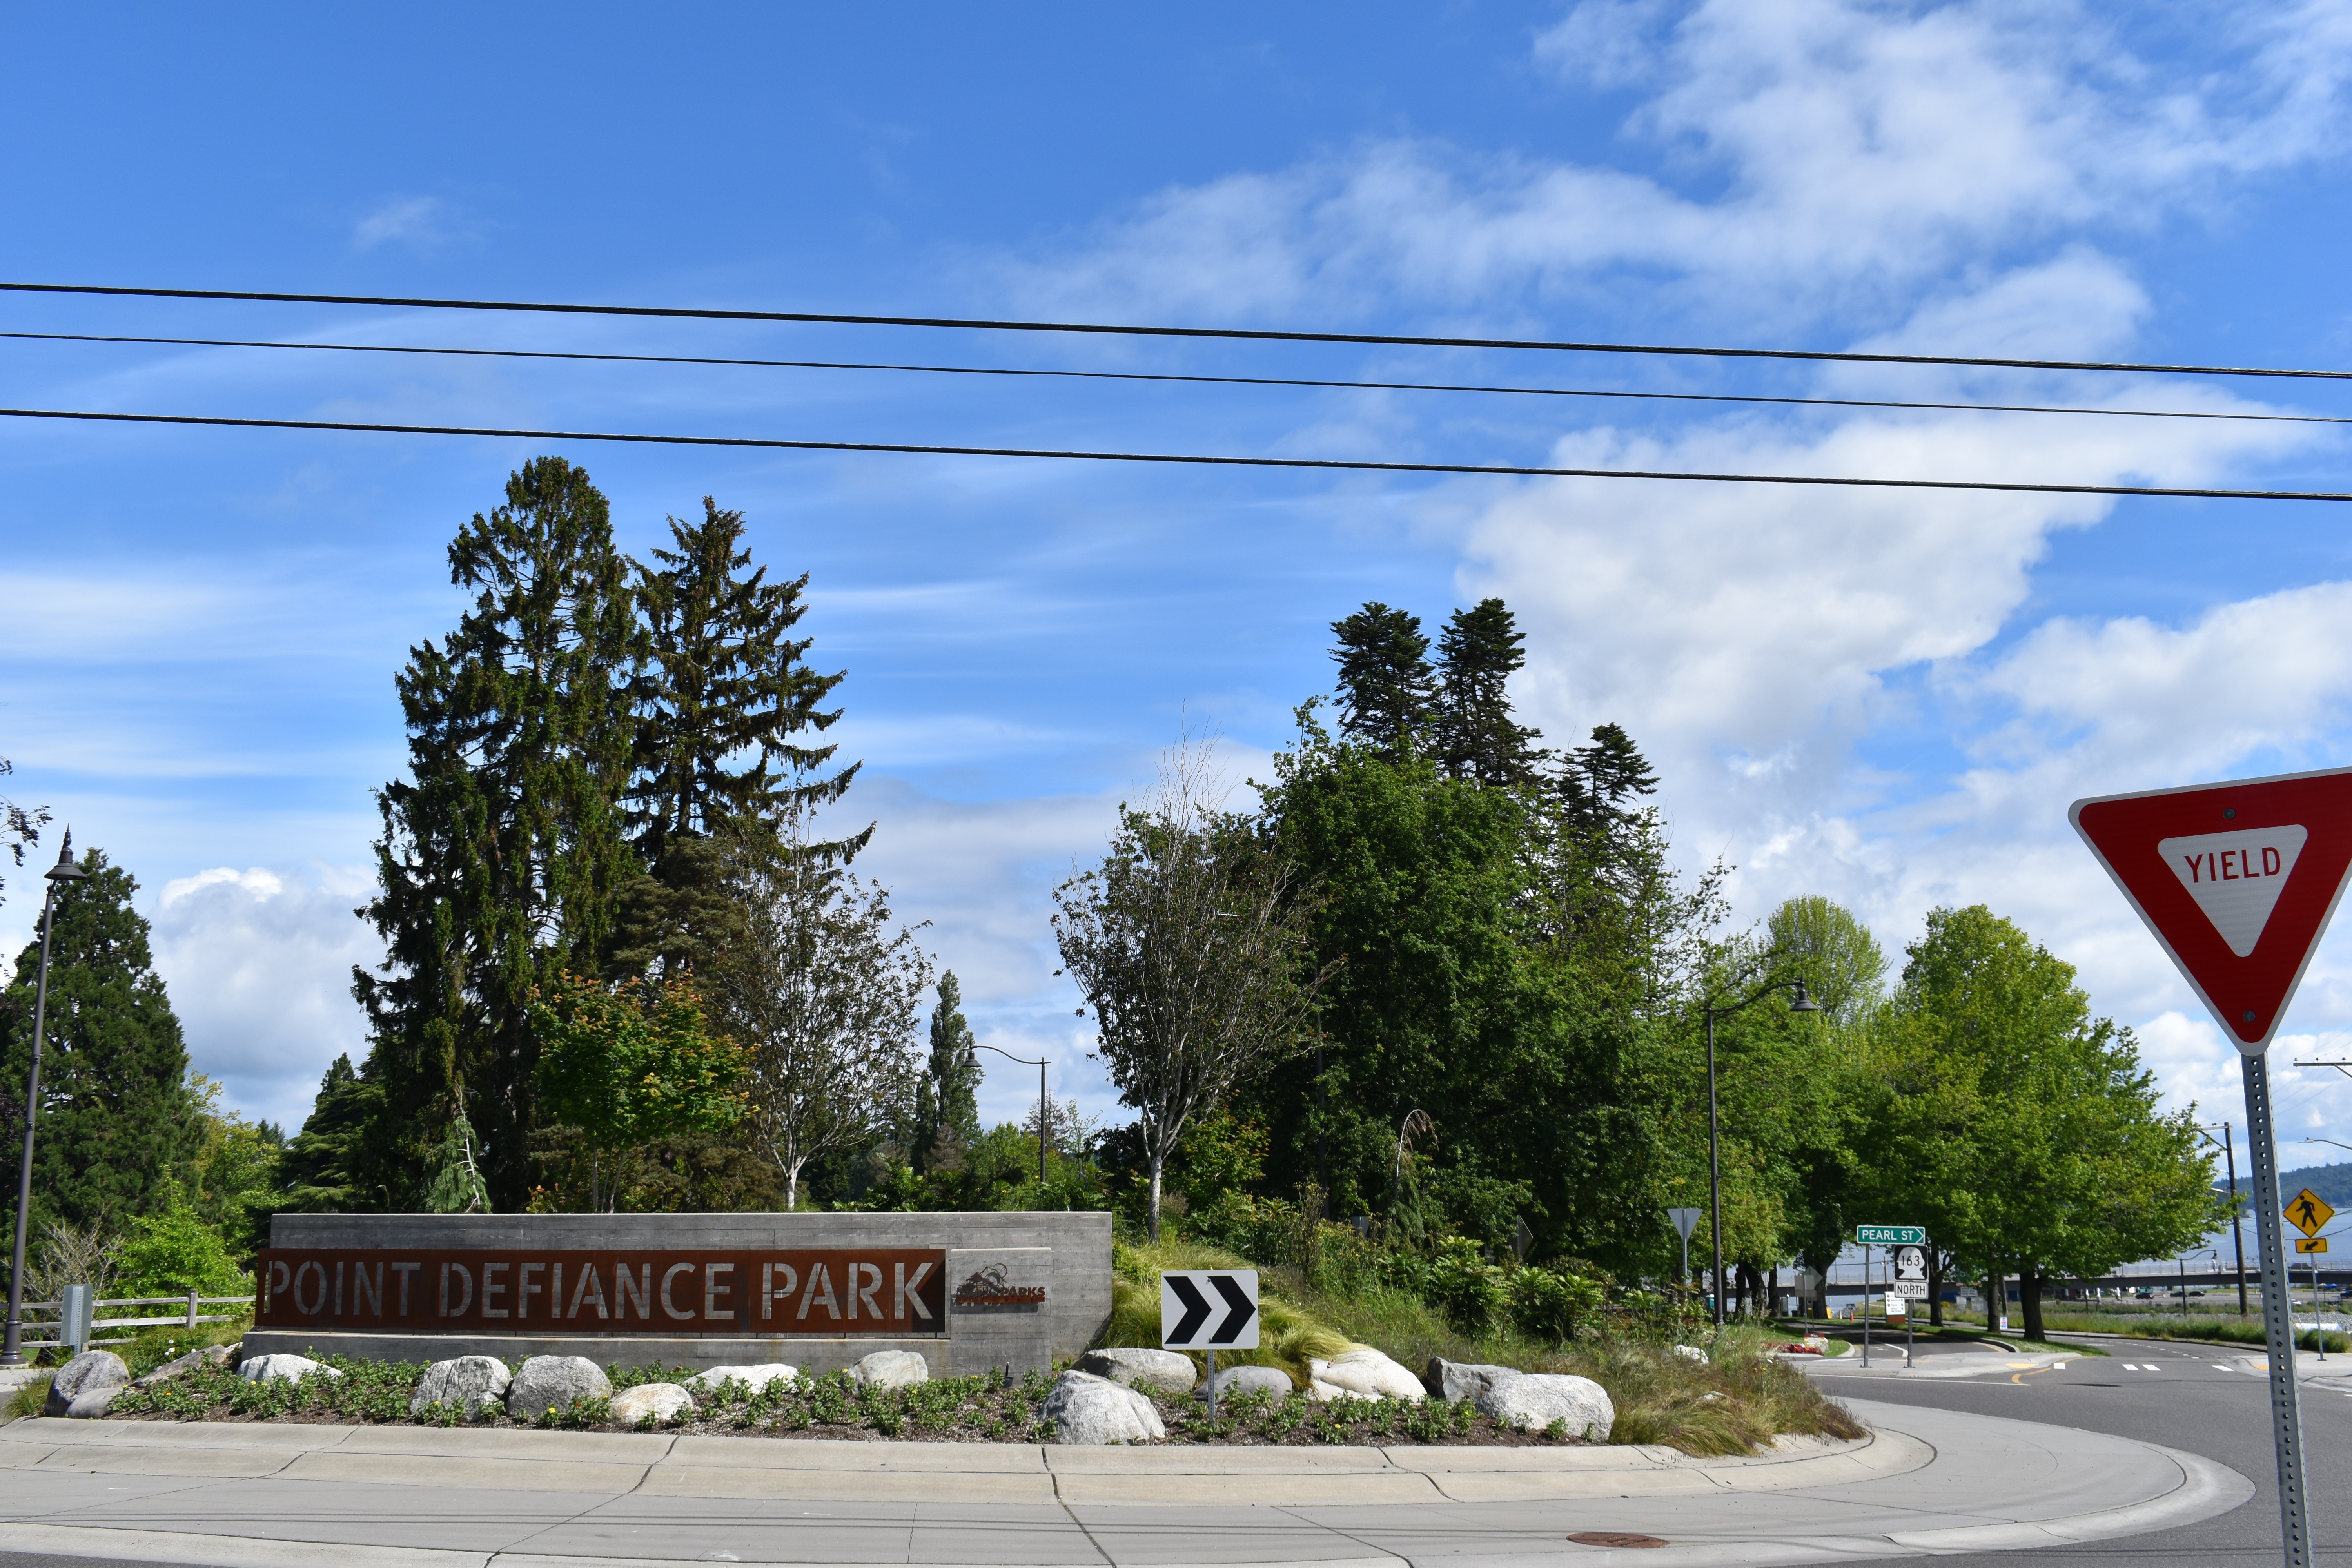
(1207, 1309)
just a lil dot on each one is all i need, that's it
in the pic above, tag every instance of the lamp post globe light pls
(1044, 1107)
(1800, 1003)
(64, 870)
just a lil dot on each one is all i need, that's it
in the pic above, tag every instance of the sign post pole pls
(2278, 1324)
(1866, 1305)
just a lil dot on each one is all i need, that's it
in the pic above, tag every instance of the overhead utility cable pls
(1358, 465)
(1197, 380)
(1241, 333)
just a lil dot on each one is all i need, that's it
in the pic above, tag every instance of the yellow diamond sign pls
(2308, 1212)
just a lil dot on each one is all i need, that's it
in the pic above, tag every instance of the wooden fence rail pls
(189, 1317)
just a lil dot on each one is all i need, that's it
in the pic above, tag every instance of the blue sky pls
(1886, 697)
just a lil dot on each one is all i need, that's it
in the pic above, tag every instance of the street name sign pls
(2308, 1212)
(2236, 881)
(1207, 1309)
(2308, 1244)
(1890, 1235)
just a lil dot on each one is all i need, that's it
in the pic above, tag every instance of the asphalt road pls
(2185, 1397)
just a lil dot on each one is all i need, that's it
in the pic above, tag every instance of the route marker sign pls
(2308, 1212)
(1207, 1309)
(2311, 1244)
(1890, 1235)
(2236, 881)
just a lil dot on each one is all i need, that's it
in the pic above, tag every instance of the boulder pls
(92, 1404)
(1455, 1381)
(210, 1355)
(283, 1369)
(1365, 1373)
(1536, 1399)
(1165, 1371)
(1085, 1408)
(547, 1382)
(892, 1369)
(1233, 1380)
(475, 1384)
(754, 1378)
(86, 1373)
(662, 1401)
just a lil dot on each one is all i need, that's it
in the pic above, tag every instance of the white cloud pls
(1842, 154)
(258, 966)
(422, 223)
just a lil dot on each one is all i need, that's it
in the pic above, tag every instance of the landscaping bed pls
(943, 1410)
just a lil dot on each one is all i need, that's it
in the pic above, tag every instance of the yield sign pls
(2237, 881)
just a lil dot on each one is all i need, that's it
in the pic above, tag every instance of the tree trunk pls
(1154, 1217)
(1934, 1287)
(2029, 1291)
(1772, 1292)
(792, 1186)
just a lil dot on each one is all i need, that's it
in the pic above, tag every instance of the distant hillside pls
(2331, 1182)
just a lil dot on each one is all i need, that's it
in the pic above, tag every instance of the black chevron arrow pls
(1243, 1309)
(1196, 1310)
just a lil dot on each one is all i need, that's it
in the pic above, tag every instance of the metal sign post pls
(1866, 1305)
(2278, 1323)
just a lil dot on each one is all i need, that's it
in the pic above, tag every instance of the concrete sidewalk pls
(397, 1497)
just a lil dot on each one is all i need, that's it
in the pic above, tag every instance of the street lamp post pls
(1802, 1004)
(64, 870)
(1044, 1107)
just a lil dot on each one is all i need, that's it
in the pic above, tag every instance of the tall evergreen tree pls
(320, 1170)
(947, 1103)
(722, 700)
(1387, 691)
(115, 1116)
(1476, 736)
(502, 852)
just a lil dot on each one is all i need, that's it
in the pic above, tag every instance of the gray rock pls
(1455, 1381)
(1085, 1408)
(1365, 1373)
(547, 1382)
(892, 1369)
(1536, 1399)
(754, 1378)
(662, 1401)
(210, 1355)
(1233, 1380)
(282, 1369)
(94, 1404)
(86, 1373)
(476, 1384)
(1167, 1372)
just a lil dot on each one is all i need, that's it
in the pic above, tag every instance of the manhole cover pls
(1614, 1538)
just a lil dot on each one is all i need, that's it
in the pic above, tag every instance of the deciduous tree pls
(1188, 945)
(822, 995)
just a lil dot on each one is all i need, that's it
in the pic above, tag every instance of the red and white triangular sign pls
(2237, 881)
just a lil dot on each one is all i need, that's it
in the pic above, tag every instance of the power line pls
(1166, 376)
(1239, 334)
(1350, 463)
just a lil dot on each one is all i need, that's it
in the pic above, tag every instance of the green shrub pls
(1553, 1302)
(176, 1252)
(1465, 1287)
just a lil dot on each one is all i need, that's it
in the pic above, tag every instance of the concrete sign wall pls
(970, 1292)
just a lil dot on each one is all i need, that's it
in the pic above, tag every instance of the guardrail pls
(74, 1322)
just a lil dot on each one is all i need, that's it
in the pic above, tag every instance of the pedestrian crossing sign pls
(2308, 1212)
(2308, 1244)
